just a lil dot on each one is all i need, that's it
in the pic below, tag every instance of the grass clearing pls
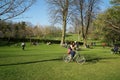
(45, 62)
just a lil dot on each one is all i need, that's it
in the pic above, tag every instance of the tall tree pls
(113, 16)
(60, 11)
(86, 10)
(12, 8)
(115, 2)
(109, 22)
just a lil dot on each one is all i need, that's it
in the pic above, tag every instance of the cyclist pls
(71, 51)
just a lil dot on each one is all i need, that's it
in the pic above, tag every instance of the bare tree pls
(13, 8)
(75, 21)
(60, 12)
(86, 10)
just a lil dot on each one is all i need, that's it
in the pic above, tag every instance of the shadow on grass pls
(91, 60)
(17, 55)
(95, 60)
(31, 62)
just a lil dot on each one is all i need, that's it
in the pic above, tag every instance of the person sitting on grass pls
(48, 43)
(76, 46)
(115, 49)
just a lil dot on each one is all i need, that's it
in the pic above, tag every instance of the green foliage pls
(107, 23)
(115, 2)
(21, 30)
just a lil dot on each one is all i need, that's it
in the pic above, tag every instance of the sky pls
(38, 13)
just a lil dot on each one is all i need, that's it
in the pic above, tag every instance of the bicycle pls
(77, 58)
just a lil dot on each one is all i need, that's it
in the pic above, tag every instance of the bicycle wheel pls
(80, 59)
(67, 58)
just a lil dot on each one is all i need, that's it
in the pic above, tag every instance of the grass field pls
(44, 62)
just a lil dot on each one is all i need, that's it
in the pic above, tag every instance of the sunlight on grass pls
(45, 62)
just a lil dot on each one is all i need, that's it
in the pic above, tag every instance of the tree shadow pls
(90, 60)
(68, 35)
(31, 62)
(97, 59)
(18, 55)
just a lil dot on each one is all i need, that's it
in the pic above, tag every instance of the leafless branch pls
(13, 8)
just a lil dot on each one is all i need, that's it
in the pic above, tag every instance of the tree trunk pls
(63, 33)
(64, 14)
(84, 43)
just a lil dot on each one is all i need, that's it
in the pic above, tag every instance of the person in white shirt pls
(23, 45)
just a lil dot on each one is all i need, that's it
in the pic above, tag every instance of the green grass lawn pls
(44, 62)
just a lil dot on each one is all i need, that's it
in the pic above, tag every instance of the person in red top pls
(104, 45)
(71, 51)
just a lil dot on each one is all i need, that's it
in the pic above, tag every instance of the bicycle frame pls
(78, 58)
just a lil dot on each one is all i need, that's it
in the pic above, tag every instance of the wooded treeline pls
(23, 30)
(84, 16)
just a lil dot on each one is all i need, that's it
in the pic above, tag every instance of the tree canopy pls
(109, 22)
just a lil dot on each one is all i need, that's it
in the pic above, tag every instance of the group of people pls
(75, 46)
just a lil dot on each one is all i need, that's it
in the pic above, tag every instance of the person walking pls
(23, 45)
